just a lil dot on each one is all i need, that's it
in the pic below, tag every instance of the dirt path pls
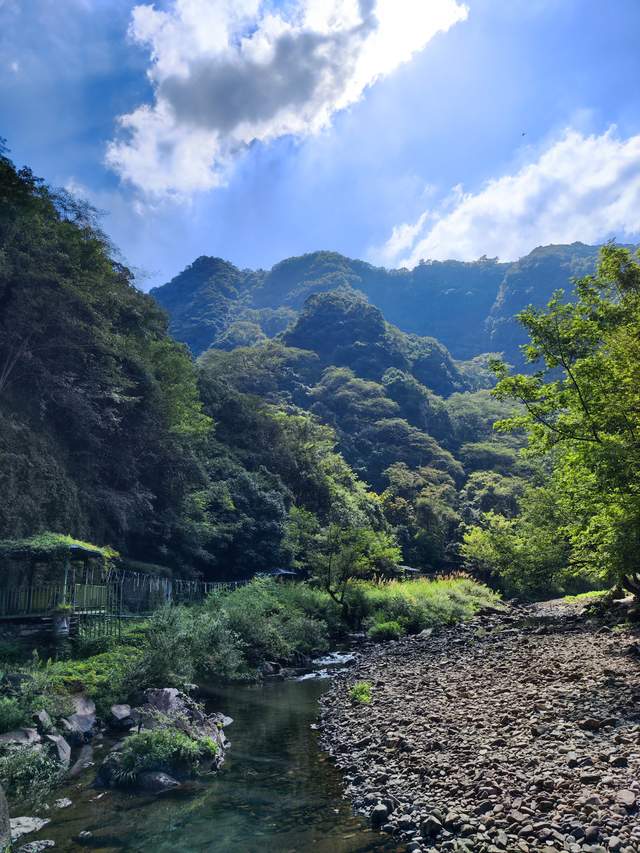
(516, 732)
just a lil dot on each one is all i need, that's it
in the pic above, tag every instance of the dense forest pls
(313, 426)
(470, 307)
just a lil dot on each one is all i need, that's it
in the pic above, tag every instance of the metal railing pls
(96, 600)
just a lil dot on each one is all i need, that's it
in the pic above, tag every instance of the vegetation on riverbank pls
(232, 634)
(228, 637)
(581, 412)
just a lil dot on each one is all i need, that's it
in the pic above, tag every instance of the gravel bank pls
(514, 732)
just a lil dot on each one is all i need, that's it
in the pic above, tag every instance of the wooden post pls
(66, 580)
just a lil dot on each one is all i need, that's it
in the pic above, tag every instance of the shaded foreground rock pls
(475, 739)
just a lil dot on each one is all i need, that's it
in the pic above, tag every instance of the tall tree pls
(582, 403)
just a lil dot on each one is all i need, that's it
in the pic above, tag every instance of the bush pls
(28, 774)
(166, 656)
(185, 643)
(381, 631)
(271, 621)
(12, 714)
(164, 749)
(419, 604)
(106, 678)
(361, 693)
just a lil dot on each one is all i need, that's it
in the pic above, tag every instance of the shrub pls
(361, 693)
(183, 643)
(12, 714)
(106, 678)
(164, 749)
(419, 604)
(218, 651)
(166, 654)
(28, 774)
(381, 631)
(12, 651)
(271, 620)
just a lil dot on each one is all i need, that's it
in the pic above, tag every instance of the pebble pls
(516, 731)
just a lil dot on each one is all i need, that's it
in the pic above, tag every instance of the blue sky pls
(485, 127)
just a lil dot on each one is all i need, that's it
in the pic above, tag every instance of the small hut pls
(52, 579)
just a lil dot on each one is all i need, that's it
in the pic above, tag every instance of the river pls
(276, 792)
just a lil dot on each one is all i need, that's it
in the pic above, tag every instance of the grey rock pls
(120, 717)
(43, 722)
(63, 750)
(36, 846)
(20, 737)
(24, 825)
(155, 781)
(379, 815)
(84, 760)
(430, 828)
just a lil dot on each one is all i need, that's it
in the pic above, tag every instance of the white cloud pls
(583, 188)
(227, 73)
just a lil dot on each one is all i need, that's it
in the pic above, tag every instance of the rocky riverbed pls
(517, 731)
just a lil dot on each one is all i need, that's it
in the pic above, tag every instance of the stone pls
(156, 781)
(43, 722)
(80, 726)
(379, 815)
(120, 717)
(83, 761)
(63, 750)
(626, 797)
(20, 737)
(24, 825)
(36, 846)
(431, 828)
(519, 737)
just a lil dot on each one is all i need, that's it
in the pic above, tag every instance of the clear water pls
(276, 793)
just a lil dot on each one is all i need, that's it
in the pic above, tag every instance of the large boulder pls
(81, 725)
(156, 781)
(20, 737)
(163, 708)
(24, 825)
(62, 749)
(121, 718)
(167, 705)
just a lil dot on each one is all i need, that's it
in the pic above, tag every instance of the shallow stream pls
(276, 792)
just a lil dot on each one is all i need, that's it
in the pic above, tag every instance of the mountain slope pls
(468, 306)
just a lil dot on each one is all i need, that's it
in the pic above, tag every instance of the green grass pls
(165, 749)
(381, 631)
(419, 604)
(50, 544)
(28, 775)
(361, 693)
(593, 593)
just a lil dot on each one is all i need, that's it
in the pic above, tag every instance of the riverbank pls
(516, 731)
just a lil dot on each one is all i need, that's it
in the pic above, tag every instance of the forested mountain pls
(248, 458)
(313, 424)
(469, 307)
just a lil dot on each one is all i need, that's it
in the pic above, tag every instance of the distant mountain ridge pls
(469, 307)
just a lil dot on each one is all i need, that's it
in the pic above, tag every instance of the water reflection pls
(277, 793)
